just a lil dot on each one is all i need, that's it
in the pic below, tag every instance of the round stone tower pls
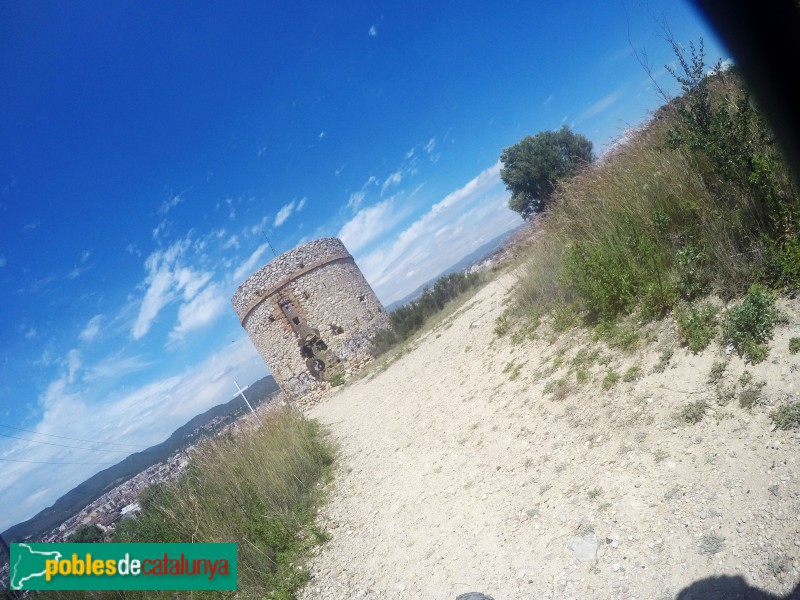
(309, 312)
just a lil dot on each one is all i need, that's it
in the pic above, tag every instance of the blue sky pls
(147, 148)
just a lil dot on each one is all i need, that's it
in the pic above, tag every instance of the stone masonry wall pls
(310, 313)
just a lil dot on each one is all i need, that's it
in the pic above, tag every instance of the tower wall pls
(310, 314)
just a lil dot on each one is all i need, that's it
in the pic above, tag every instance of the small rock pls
(585, 548)
(615, 567)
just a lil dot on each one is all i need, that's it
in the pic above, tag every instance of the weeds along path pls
(464, 466)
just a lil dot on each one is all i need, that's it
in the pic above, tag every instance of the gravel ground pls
(465, 466)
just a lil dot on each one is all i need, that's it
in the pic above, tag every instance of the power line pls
(63, 437)
(14, 437)
(47, 462)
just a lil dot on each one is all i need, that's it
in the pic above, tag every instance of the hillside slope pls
(466, 466)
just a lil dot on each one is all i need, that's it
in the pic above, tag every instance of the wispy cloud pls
(248, 266)
(601, 105)
(393, 179)
(202, 310)
(547, 100)
(2, 261)
(373, 31)
(92, 329)
(452, 227)
(115, 367)
(233, 242)
(171, 203)
(161, 230)
(287, 210)
(367, 224)
(167, 280)
(140, 417)
(32, 225)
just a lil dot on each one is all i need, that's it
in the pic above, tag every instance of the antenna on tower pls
(270, 245)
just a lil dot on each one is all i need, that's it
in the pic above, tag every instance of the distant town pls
(122, 502)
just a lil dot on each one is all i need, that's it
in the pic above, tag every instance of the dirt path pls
(460, 472)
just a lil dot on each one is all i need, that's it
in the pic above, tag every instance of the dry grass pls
(259, 489)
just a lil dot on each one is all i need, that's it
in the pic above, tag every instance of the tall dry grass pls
(259, 489)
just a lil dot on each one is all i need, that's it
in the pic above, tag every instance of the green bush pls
(383, 341)
(750, 324)
(694, 411)
(632, 374)
(610, 380)
(794, 345)
(697, 325)
(787, 416)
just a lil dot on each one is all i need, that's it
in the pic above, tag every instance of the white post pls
(248, 403)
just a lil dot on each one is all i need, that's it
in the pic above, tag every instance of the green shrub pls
(337, 380)
(717, 371)
(694, 411)
(632, 374)
(610, 380)
(787, 416)
(794, 345)
(502, 324)
(750, 324)
(697, 325)
(623, 337)
(383, 340)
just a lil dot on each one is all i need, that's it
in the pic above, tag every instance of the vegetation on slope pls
(407, 319)
(259, 489)
(697, 202)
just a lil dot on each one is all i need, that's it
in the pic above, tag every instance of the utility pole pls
(248, 403)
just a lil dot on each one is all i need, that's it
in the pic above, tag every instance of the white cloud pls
(430, 146)
(114, 367)
(166, 279)
(453, 227)
(393, 179)
(78, 271)
(366, 225)
(284, 213)
(92, 329)
(547, 100)
(247, 267)
(321, 134)
(201, 311)
(301, 204)
(85, 255)
(30, 333)
(139, 418)
(373, 31)
(32, 225)
(233, 242)
(601, 105)
(355, 200)
(160, 229)
(170, 203)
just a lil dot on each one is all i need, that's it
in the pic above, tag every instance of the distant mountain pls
(470, 259)
(73, 501)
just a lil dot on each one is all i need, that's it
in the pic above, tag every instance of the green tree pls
(533, 166)
(86, 534)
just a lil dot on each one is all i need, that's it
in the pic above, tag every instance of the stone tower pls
(310, 313)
